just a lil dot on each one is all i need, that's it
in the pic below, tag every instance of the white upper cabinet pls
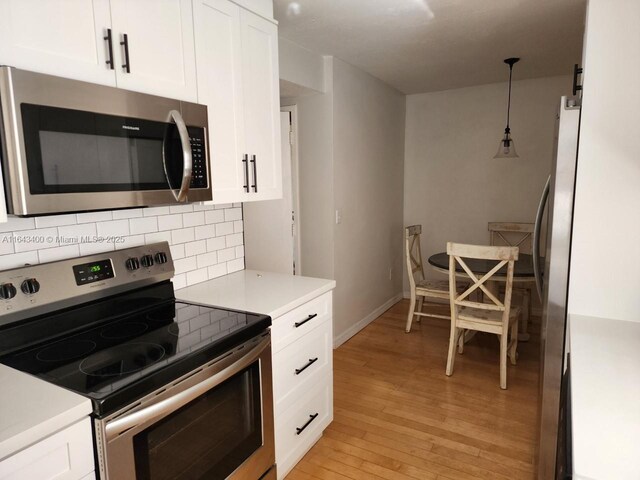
(158, 48)
(58, 37)
(84, 40)
(261, 105)
(237, 63)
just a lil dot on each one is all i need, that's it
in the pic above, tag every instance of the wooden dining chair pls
(495, 315)
(420, 288)
(512, 234)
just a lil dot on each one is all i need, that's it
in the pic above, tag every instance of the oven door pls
(216, 423)
(72, 146)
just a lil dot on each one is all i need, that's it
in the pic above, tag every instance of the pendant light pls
(507, 148)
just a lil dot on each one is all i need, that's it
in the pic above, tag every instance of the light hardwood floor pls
(397, 416)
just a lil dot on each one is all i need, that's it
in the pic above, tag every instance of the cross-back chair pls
(494, 315)
(513, 234)
(420, 288)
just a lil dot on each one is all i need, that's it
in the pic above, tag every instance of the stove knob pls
(132, 263)
(30, 286)
(7, 291)
(161, 257)
(147, 261)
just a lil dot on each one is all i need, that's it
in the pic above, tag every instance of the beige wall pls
(453, 186)
(368, 136)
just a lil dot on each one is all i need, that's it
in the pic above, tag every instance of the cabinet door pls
(218, 54)
(160, 45)
(261, 104)
(57, 37)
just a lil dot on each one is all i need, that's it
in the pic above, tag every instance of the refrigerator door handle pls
(536, 237)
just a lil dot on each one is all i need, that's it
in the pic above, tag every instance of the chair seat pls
(486, 316)
(438, 286)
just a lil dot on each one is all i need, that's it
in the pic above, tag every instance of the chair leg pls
(461, 341)
(504, 337)
(452, 349)
(412, 306)
(420, 301)
(513, 351)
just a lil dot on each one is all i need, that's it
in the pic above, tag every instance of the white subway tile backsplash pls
(234, 240)
(94, 217)
(58, 253)
(205, 240)
(226, 254)
(195, 248)
(218, 270)
(232, 214)
(114, 228)
(128, 213)
(181, 208)
(143, 225)
(216, 243)
(215, 216)
(155, 211)
(224, 228)
(223, 206)
(235, 265)
(182, 235)
(170, 222)
(56, 220)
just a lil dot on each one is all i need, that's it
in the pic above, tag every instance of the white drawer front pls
(300, 365)
(66, 455)
(294, 324)
(316, 412)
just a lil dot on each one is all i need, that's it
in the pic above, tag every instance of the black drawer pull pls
(309, 363)
(299, 430)
(125, 43)
(310, 317)
(109, 41)
(245, 160)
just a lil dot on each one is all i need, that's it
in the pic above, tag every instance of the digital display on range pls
(93, 272)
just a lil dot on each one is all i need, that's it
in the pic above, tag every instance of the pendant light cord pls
(509, 100)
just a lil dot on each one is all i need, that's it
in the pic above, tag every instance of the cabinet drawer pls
(297, 431)
(66, 455)
(299, 366)
(294, 324)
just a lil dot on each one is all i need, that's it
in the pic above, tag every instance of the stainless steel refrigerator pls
(552, 283)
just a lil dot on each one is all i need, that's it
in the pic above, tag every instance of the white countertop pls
(605, 398)
(32, 409)
(272, 294)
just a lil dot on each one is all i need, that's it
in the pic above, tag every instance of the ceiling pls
(430, 45)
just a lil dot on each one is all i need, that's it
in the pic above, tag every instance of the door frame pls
(295, 184)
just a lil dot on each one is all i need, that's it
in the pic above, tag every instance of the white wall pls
(300, 67)
(453, 186)
(206, 241)
(368, 139)
(605, 258)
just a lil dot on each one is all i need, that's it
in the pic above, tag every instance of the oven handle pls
(186, 157)
(173, 403)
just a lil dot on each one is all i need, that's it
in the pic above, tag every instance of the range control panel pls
(35, 289)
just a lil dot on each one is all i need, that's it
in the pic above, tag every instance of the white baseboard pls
(340, 339)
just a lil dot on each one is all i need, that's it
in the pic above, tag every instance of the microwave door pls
(187, 160)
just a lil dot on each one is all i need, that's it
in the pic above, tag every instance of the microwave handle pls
(187, 159)
(173, 403)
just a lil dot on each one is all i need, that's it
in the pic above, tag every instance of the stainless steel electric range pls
(179, 391)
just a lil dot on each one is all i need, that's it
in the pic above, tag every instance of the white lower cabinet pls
(302, 379)
(66, 455)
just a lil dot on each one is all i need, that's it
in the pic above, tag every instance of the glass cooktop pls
(119, 349)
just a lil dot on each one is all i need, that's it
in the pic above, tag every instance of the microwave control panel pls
(199, 177)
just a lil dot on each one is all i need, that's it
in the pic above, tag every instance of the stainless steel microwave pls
(70, 146)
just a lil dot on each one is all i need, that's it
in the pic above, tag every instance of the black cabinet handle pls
(125, 43)
(255, 174)
(310, 317)
(576, 71)
(309, 363)
(245, 160)
(299, 430)
(109, 41)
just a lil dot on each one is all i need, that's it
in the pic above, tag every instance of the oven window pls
(208, 438)
(71, 151)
